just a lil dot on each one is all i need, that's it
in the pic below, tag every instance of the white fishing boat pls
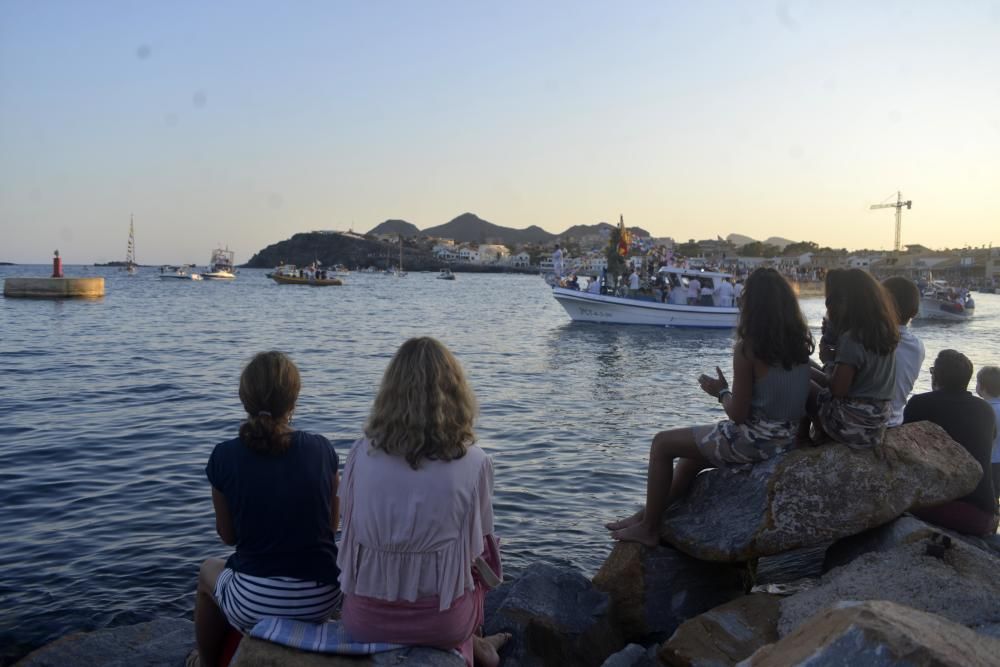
(220, 267)
(939, 301)
(177, 273)
(446, 274)
(587, 306)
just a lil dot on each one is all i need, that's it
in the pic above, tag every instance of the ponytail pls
(265, 435)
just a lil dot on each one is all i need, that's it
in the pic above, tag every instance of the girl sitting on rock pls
(852, 403)
(418, 547)
(764, 406)
(275, 496)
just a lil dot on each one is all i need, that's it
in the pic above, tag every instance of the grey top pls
(875, 374)
(781, 394)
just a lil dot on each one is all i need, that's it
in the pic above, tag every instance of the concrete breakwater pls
(53, 288)
(807, 558)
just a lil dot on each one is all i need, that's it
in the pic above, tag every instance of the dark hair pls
(269, 387)
(857, 303)
(905, 296)
(952, 371)
(989, 380)
(771, 321)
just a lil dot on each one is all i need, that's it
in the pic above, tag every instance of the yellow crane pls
(898, 205)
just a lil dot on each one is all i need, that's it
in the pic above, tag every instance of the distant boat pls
(177, 273)
(221, 265)
(130, 266)
(446, 274)
(939, 301)
(399, 272)
(288, 274)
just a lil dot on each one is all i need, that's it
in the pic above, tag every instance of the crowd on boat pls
(696, 288)
(417, 551)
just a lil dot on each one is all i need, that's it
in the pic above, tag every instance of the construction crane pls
(898, 205)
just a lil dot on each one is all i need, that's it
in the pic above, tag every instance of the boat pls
(940, 301)
(288, 274)
(220, 265)
(621, 309)
(341, 270)
(399, 272)
(177, 273)
(130, 266)
(446, 274)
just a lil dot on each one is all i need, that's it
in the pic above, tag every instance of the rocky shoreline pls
(808, 558)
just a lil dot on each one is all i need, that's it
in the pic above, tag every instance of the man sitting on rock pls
(970, 422)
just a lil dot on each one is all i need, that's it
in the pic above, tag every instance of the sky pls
(242, 123)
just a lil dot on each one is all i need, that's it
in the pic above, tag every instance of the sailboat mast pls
(130, 253)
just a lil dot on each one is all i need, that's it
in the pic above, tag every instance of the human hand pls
(713, 385)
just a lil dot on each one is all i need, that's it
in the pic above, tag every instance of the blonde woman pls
(418, 515)
(274, 490)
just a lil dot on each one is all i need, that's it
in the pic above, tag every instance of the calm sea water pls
(110, 408)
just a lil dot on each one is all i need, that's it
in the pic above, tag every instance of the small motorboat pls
(340, 270)
(446, 274)
(939, 301)
(177, 273)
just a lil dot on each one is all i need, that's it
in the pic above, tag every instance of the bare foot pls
(638, 533)
(625, 523)
(485, 650)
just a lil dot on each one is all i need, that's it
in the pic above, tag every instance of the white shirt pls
(909, 359)
(678, 295)
(594, 287)
(557, 263)
(995, 404)
(737, 290)
(633, 281)
(694, 289)
(725, 292)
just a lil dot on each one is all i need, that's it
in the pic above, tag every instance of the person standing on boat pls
(557, 262)
(707, 294)
(725, 293)
(694, 291)
(633, 282)
(763, 408)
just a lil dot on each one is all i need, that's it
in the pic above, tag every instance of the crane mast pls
(898, 205)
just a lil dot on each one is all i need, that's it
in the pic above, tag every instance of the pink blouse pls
(411, 534)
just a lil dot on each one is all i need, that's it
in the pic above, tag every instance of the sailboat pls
(399, 272)
(130, 264)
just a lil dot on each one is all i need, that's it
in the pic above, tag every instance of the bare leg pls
(667, 445)
(684, 473)
(486, 650)
(210, 625)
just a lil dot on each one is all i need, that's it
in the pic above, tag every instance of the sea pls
(109, 409)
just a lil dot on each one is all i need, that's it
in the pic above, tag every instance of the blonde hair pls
(424, 409)
(269, 387)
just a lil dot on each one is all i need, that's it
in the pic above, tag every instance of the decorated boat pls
(220, 265)
(940, 301)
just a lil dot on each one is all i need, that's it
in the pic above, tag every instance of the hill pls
(469, 227)
(779, 241)
(400, 227)
(739, 239)
(601, 228)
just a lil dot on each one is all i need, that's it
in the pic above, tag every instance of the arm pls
(335, 505)
(841, 379)
(223, 519)
(737, 404)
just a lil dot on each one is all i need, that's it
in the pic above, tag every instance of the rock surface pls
(164, 642)
(963, 585)
(818, 494)
(725, 635)
(878, 634)
(257, 653)
(633, 655)
(556, 617)
(655, 590)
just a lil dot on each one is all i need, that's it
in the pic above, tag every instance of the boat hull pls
(219, 275)
(937, 309)
(587, 307)
(190, 276)
(289, 280)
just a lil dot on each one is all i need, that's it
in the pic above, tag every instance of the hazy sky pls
(245, 122)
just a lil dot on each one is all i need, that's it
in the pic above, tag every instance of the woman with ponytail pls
(275, 495)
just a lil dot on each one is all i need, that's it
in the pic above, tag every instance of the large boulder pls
(655, 590)
(164, 642)
(814, 495)
(959, 582)
(725, 635)
(258, 653)
(555, 616)
(878, 634)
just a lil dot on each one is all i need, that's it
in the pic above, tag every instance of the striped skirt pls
(246, 599)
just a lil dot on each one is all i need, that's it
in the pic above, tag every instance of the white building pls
(492, 253)
(448, 253)
(521, 259)
(468, 255)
